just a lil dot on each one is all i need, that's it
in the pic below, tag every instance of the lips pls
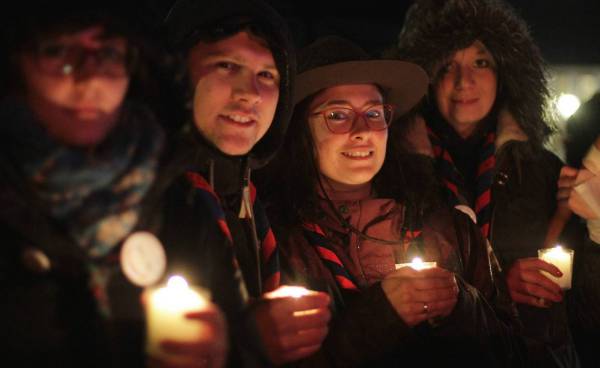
(358, 154)
(241, 119)
(85, 113)
(465, 100)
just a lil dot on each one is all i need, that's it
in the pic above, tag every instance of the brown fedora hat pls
(332, 61)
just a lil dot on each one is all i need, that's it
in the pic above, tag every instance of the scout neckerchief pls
(269, 252)
(316, 238)
(454, 181)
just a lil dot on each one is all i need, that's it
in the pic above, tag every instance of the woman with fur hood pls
(483, 123)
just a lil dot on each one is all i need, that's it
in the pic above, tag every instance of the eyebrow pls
(218, 54)
(345, 102)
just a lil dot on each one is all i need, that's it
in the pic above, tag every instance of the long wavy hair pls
(289, 184)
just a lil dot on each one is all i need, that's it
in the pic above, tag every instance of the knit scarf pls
(454, 181)
(94, 194)
(269, 253)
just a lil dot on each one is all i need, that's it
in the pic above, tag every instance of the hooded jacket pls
(524, 184)
(227, 175)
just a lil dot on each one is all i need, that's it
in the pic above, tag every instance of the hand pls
(293, 328)
(527, 285)
(566, 183)
(208, 351)
(578, 203)
(421, 295)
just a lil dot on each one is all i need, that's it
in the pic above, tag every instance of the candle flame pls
(288, 291)
(177, 282)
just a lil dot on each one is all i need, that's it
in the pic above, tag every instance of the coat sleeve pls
(484, 320)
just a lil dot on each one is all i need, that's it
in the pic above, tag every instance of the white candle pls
(165, 314)
(287, 291)
(562, 258)
(417, 264)
(295, 292)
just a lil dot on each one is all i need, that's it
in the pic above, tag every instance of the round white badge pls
(143, 258)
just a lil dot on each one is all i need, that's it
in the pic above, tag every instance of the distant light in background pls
(567, 104)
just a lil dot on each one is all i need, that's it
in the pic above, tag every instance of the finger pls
(433, 283)
(192, 349)
(298, 354)
(533, 264)
(563, 193)
(530, 300)
(314, 318)
(441, 308)
(303, 338)
(530, 282)
(428, 296)
(179, 362)
(289, 305)
(543, 292)
(567, 173)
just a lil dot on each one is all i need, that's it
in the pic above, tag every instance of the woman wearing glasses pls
(350, 209)
(79, 154)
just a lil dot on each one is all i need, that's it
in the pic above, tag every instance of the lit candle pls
(417, 264)
(165, 314)
(295, 292)
(561, 258)
(288, 291)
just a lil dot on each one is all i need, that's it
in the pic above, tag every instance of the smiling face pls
(466, 89)
(236, 91)
(351, 158)
(78, 105)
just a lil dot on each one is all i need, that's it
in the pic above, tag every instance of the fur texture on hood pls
(435, 29)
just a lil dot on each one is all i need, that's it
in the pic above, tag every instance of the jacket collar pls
(417, 140)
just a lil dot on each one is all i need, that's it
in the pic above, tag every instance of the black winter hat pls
(332, 61)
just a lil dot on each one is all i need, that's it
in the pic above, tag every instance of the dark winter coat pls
(366, 330)
(523, 201)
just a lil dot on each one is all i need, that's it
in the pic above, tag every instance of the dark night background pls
(567, 32)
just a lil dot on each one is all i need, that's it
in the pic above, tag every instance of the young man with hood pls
(483, 123)
(239, 69)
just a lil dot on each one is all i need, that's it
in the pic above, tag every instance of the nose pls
(246, 90)
(360, 128)
(464, 77)
(87, 66)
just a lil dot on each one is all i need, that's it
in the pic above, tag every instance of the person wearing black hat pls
(351, 210)
(484, 124)
(239, 69)
(79, 157)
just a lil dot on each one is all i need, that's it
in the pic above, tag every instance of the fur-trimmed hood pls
(435, 29)
(416, 140)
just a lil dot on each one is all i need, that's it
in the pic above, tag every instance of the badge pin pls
(143, 258)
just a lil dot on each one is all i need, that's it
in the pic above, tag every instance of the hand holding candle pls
(562, 258)
(421, 291)
(292, 322)
(183, 326)
(527, 284)
(417, 264)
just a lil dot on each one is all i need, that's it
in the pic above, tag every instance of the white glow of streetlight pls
(567, 104)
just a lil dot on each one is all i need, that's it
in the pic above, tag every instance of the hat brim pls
(405, 83)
